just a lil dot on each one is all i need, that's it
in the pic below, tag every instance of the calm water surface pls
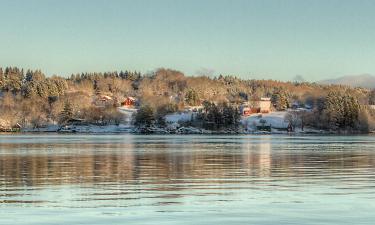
(131, 179)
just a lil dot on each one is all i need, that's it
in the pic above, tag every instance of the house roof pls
(106, 97)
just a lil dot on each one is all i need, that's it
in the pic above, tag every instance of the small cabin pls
(103, 101)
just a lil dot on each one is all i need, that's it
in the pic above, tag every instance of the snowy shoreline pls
(126, 129)
(274, 122)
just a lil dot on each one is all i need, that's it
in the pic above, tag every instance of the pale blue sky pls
(254, 39)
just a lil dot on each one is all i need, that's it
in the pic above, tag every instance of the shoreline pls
(125, 129)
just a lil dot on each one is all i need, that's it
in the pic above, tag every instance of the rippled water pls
(133, 179)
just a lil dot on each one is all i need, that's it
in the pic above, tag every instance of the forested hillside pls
(30, 98)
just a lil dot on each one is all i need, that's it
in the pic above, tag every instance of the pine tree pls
(66, 114)
(191, 97)
(280, 100)
(145, 116)
(341, 110)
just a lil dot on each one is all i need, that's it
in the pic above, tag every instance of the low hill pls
(363, 80)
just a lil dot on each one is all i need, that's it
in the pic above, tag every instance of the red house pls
(129, 102)
(261, 106)
(247, 111)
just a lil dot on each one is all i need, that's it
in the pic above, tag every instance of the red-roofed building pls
(261, 106)
(128, 102)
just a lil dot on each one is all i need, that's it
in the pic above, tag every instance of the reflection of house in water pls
(265, 159)
(257, 157)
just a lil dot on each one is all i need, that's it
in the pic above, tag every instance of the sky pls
(265, 39)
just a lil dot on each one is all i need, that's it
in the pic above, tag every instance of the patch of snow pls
(173, 126)
(179, 117)
(127, 112)
(49, 128)
(274, 119)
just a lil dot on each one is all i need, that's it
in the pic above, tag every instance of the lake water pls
(133, 179)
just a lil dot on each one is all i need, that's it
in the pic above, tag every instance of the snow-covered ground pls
(179, 117)
(121, 128)
(128, 113)
(273, 119)
(49, 128)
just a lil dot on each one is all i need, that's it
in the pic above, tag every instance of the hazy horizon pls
(278, 40)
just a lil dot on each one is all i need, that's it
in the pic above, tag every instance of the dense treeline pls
(218, 116)
(31, 98)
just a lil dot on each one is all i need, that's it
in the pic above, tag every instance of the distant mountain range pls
(363, 80)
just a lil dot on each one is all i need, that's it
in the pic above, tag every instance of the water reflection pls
(182, 173)
(165, 159)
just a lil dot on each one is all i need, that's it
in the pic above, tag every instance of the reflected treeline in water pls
(50, 160)
(134, 179)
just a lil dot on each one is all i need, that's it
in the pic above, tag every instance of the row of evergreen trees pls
(218, 116)
(126, 75)
(211, 117)
(341, 111)
(34, 82)
(31, 83)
